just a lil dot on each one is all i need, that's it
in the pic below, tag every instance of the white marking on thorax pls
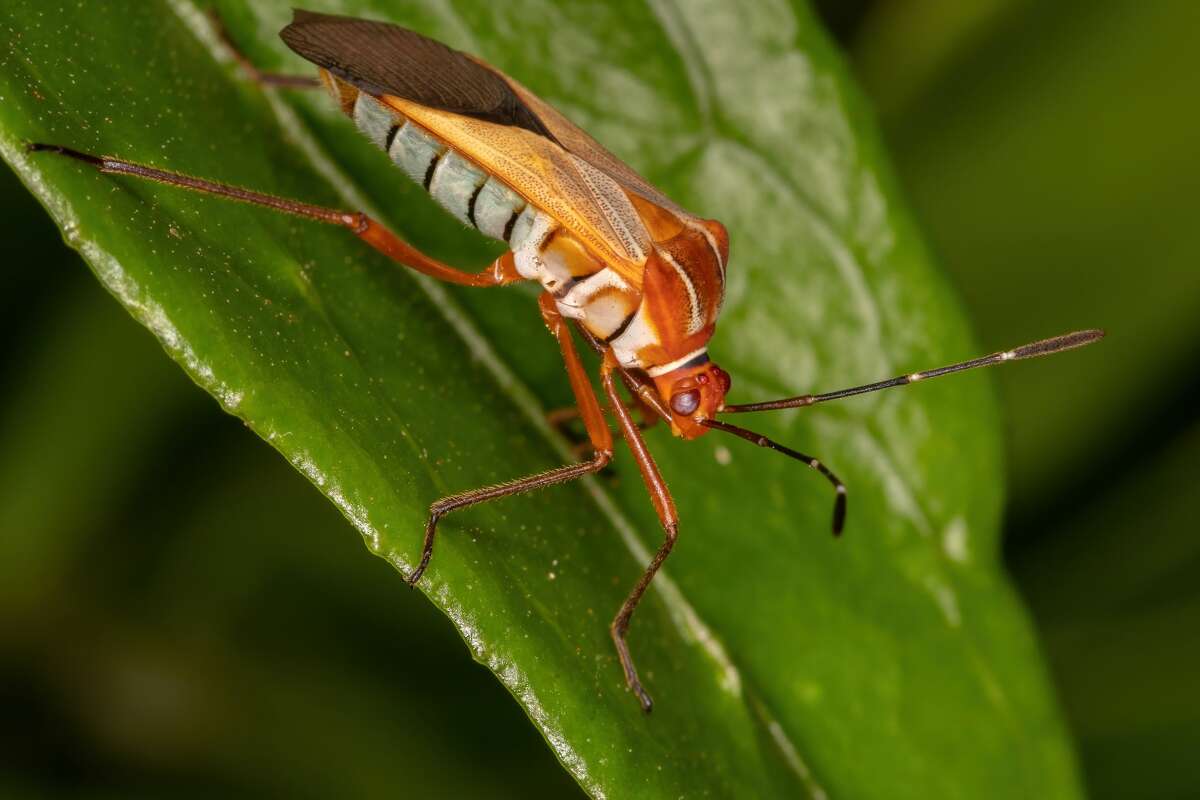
(606, 313)
(640, 333)
(587, 287)
(696, 317)
(663, 369)
(577, 303)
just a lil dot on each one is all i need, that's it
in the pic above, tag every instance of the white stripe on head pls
(663, 369)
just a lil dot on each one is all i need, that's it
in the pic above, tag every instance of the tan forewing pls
(580, 143)
(581, 197)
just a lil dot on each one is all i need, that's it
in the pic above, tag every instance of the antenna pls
(839, 503)
(1044, 347)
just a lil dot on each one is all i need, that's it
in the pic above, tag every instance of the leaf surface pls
(892, 663)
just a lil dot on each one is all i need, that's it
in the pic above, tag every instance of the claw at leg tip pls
(44, 147)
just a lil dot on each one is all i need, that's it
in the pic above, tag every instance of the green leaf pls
(222, 582)
(894, 662)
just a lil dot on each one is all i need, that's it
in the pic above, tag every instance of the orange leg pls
(502, 271)
(585, 397)
(640, 386)
(660, 496)
(559, 418)
(593, 419)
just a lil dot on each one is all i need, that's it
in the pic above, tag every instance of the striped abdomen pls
(584, 288)
(457, 184)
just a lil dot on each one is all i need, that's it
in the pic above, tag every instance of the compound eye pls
(685, 403)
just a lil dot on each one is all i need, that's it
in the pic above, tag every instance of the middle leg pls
(593, 419)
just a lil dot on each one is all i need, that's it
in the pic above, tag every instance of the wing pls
(496, 122)
(580, 143)
(580, 197)
(381, 59)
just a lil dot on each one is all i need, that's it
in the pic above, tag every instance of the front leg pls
(664, 505)
(593, 419)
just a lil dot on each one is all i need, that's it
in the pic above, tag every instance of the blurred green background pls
(1050, 150)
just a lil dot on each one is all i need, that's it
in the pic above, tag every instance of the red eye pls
(685, 402)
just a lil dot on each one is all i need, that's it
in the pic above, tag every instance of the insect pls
(640, 279)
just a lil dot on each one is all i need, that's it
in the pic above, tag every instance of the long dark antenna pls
(1045, 347)
(839, 503)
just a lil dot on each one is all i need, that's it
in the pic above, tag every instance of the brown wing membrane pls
(383, 59)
